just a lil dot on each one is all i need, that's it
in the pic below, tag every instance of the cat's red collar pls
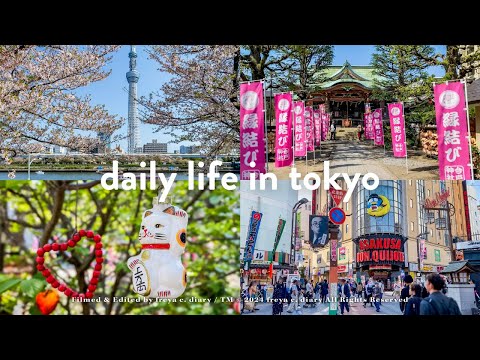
(156, 246)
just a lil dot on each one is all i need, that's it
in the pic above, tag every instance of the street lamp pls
(294, 232)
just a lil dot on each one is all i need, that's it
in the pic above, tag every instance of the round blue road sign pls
(337, 215)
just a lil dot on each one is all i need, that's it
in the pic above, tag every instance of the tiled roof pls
(362, 75)
(473, 92)
(456, 266)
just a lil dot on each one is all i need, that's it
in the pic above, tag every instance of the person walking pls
(369, 292)
(378, 294)
(412, 308)
(333, 130)
(360, 290)
(353, 287)
(437, 303)
(316, 290)
(324, 290)
(308, 294)
(279, 297)
(344, 296)
(396, 290)
(405, 293)
(294, 291)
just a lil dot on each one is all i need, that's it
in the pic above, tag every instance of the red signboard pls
(342, 268)
(337, 195)
(380, 249)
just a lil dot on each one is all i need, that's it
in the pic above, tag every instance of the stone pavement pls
(356, 308)
(353, 156)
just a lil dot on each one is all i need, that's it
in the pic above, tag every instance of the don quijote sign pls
(380, 249)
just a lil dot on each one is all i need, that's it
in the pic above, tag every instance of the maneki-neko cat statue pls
(158, 271)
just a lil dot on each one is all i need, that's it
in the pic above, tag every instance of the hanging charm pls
(71, 243)
(158, 271)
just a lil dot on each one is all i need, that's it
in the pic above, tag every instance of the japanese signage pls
(380, 267)
(278, 234)
(464, 245)
(377, 127)
(367, 108)
(337, 195)
(397, 127)
(317, 122)
(325, 126)
(252, 234)
(300, 136)
(141, 281)
(342, 251)
(283, 139)
(298, 240)
(318, 230)
(453, 137)
(309, 128)
(342, 268)
(252, 131)
(333, 252)
(368, 118)
(437, 254)
(379, 249)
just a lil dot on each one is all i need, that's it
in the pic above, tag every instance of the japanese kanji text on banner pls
(397, 126)
(283, 138)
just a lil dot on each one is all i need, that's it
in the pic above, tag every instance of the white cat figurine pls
(158, 271)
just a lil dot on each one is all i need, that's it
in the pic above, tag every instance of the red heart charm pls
(63, 247)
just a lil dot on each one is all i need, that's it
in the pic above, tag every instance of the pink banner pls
(369, 133)
(318, 126)
(377, 127)
(252, 132)
(453, 137)
(283, 138)
(323, 116)
(309, 127)
(397, 126)
(298, 113)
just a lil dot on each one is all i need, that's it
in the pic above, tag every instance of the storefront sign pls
(439, 200)
(380, 249)
(283, 139)
(252, 130)
(437, 254)
(440, 268)
(380, 267)
(468, 245)
(342, 268)
(255, 219)
(342, 253)
(452, 130)
(427, 268)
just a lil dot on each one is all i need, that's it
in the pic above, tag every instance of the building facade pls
(400, 227)
(155, 148)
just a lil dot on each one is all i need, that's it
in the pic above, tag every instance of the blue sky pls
(112, 92)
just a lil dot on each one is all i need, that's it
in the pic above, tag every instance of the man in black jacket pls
(437, 303)
(405, 294)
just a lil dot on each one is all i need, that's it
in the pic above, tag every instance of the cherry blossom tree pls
(38, 103)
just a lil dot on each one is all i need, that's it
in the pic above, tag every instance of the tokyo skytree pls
(133, 122)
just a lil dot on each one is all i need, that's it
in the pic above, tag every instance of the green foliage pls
(210, 258)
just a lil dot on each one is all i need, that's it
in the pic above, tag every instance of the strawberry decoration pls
(63, 247)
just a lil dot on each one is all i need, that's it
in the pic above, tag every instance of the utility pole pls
(333, 274)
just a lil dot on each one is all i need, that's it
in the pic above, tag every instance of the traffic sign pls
(337, 195)
(337, 216)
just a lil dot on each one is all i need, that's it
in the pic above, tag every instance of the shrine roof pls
(347, 73)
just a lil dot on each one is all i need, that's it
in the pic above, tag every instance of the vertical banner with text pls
(309, 127)
(318, 126)
(368, 126)
(283, 138)
(298, 113)
(278, 235)
(252, 234)
(378, 127)
(453, 138)
(397, 127)
(252, 130)
(324, 126)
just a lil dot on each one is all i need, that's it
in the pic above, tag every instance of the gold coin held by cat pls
(145, 255)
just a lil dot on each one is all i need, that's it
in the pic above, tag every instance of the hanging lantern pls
(158, 271)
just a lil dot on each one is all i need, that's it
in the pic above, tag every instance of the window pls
(346, 228)
(431, 232)
(412, 226)
(346, 207)
(411, 203)
(410, 182)
(428, 192)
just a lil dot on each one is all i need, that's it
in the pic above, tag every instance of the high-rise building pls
(474, 210)
(133, 121)
(155, 148)
(185, 149)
